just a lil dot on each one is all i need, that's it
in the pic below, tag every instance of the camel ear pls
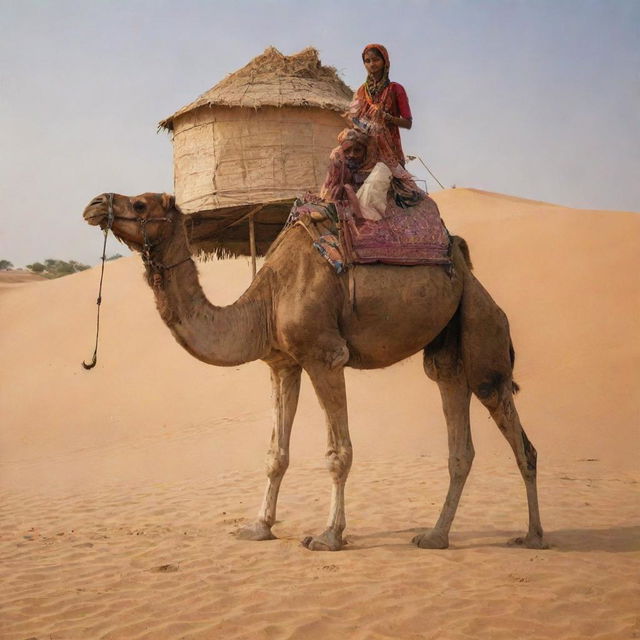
(168, 201)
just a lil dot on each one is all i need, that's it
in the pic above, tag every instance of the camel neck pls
(223, 336)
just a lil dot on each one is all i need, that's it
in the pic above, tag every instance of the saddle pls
(406, 235)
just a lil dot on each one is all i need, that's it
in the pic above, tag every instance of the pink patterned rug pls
(411, 236)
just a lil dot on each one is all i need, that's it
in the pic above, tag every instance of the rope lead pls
(427, 168)
(110, 216)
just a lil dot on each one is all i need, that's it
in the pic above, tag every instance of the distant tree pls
(53, 268)
(78, 266)
(115, 256)
(61, 268)
(5, 265)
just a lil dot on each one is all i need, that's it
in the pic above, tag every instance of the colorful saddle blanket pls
(405, 236)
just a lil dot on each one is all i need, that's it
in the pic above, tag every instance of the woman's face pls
(373, 63)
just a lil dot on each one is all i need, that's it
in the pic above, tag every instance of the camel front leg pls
(456, 396)
(330, 389)
(285, 383)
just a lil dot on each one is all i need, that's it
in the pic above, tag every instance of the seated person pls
(351, 163)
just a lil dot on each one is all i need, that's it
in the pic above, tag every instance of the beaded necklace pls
(374, 89)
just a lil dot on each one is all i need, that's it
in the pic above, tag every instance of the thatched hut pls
(247, 147)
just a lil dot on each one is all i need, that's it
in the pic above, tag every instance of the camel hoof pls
(255, 531)
(328, 541)
(431, 540)
(529, 542)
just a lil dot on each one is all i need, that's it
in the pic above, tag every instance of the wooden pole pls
(252, 244)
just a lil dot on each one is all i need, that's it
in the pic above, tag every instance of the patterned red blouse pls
(392, 99)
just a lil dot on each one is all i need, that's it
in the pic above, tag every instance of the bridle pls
(157, 268)
(154, 265)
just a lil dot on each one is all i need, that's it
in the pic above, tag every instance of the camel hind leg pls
(442, 364)
(455, 401)
(500, 403)
(487, 357)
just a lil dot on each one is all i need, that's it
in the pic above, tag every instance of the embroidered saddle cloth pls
(404, 236)
(414, 235)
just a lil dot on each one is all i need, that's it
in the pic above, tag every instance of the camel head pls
(141, 222)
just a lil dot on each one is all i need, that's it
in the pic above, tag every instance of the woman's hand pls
(397, 121)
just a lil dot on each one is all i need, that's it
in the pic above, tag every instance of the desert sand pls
(121, 488)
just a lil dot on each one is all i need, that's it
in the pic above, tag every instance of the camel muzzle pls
(96, 211)
(93, 215)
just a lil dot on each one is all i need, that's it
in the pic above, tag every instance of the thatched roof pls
(273, 79)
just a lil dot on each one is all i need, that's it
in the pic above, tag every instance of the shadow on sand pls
(611, 540)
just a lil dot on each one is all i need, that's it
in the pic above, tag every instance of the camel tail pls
(461, 243)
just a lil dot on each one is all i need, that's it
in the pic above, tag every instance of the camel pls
(299, 314)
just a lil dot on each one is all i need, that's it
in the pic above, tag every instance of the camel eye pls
(139, 206)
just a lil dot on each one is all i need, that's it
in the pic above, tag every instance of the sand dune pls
(120, 487)
(18, 276)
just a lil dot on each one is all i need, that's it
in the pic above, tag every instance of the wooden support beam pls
(249, 214)
(252, 244)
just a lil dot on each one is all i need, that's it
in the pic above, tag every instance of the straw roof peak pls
(305, 63)
(273, 79)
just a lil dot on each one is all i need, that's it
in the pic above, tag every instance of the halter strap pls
(156, 267)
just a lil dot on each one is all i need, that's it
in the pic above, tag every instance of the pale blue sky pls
(534, 98)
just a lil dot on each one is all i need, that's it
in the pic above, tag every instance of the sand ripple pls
(162, 562)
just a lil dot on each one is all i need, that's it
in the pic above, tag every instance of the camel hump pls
(461, 243)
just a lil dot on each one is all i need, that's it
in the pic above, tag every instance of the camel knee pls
(494, 391)
(339, 462)
(277, 463)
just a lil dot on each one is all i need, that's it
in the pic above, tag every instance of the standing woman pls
(380, 106)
